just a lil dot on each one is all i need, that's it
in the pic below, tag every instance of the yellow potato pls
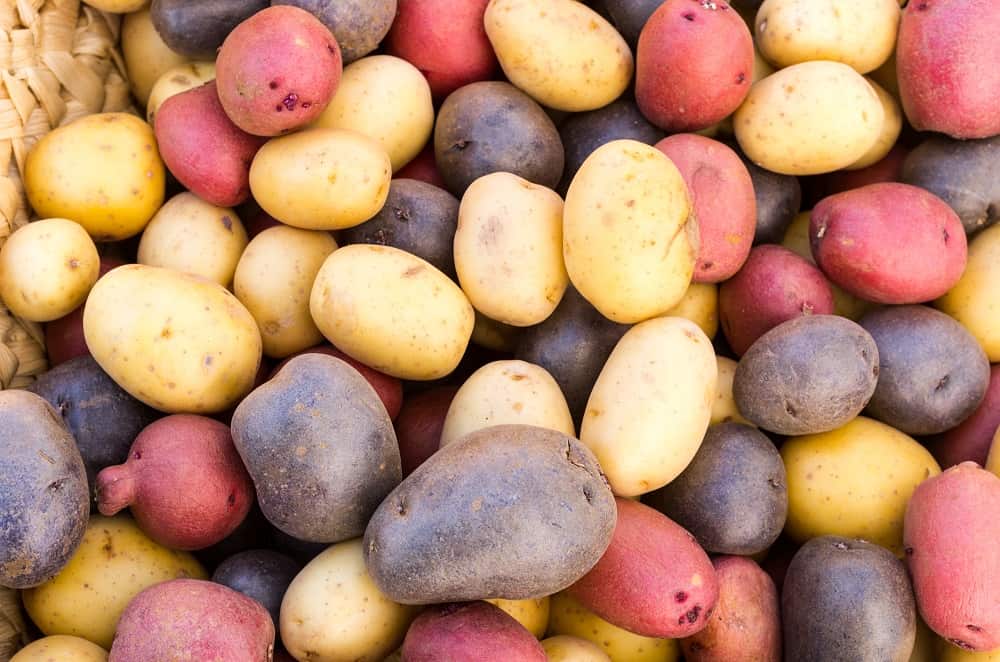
(118, 6)
(177, 342)
(494, 335)
(892, 125)
(533, 614)
(809, 119)
(651, 404)
(854, 482)
(507, 393)
(975, 299)
(333, 612)
(196, 237)
(946, 652)
(569, 617)
(146, 56)
(274, 279)
(564, 648)
(102, 171)
(114, 563)
(508, 249)
(387, 99)
(993, 459)
(321, 179)
(47, 268)
(761, 67)
(859, 33)
(925, 646)
(724, 409)
(392, 311)
(176, 80)
(886, 76)
(700, 305)
(61, 648)
(629, 236)
(560, 52)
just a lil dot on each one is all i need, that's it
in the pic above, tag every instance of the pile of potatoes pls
(521, 330)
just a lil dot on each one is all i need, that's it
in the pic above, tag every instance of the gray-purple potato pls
(733, 496)
(933, 374)
(509, 511)
(320, 448)
(779, 199)
(358, 25)
(847, 600)
(629, 16)
(808, 375)
(197, 29)
(43, 491)
(261, 574)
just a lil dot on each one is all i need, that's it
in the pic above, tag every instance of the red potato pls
(470, 632)
(888, 243)
(190, 619)
(724, 203)
(970, 441)
(423, 167)
(64, 336)
(950, 535)
(773, 286)
(944, 62)
(203, 149)
(445, 40)
(419, 425)
(653, 580)
(278, 70)
(889, 169)
(694, 64)
(183, 481)
(746, 621)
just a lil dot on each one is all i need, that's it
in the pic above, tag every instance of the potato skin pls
(472, 632)
(565, 648)
(532, 613)
(724, 408)
(629, 16)
(970, 440)
(358, 25)
(486, 503)
(146, 56)
(419, 425)
(261, 574)
(972, 300)
(779, 199)
(196, 29)
(61, 648)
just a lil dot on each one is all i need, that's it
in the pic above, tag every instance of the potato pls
(629, 16)
(809, 118)
(358, 25)
(694, 65)
(724, 409)
(947, 652)
(261, 574)
(972, 300)
(345, 184)
(387, 99)
(700, 305)
(494, 127)
(423, 168)
(419, 425)
(61, 648)
(925, 649)
(626, 200)
(197, 30)
(970, 440)
(892, 124)
(508, 249)
(494, 335)
(391, 310)
(564, 648)
(146, 56)
(934, 374)
(561, 52)
(486, 503)
(887, 169)
(733, 497)
(993, 458)
(471, 632)
(533, 614)
(176, 80)
(317, 428)
(779, 199)
(112, 202)
(113, 564)
(854, 482)
(47, 269)
(651, 404)
(847, 599)
(808, 375)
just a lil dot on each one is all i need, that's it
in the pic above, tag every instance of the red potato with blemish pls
(470, 632)
(419, 425)
(888, 243)
(970, 441)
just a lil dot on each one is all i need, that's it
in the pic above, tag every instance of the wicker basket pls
(13, 633)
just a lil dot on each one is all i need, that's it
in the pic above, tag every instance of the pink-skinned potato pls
(470, 632)
(970, 440)
(419, 425)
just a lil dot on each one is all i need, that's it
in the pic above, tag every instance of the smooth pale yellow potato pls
(494, 335)
(387, 99)
(333, 612)
(974, 301)
(392, 311)
(854, 481)
(177, 342)
(117, 6)
(146, 56)
(724, 409)
(508, 249)
(629, 235)
(651, 404)
(47, 268)
(560, 52)
(507, 393)
(115, 562)
(859, 33)
(176, 80)
(700, 305)
(61, 648)
(886, 77)
(809, 119)
(321, 179)
(993, 459)
(196, 237)
(569, 617)
(564, 648)
(761, 67)
(533, 614)
(102, 171)
(892, 125)
(274, 279)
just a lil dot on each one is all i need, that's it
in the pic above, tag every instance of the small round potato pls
(176, 80)
(61, 648)
(892, 125)
(47, 268)
(532, 613)
(146, 56)
(974, 300)
(564, 648)
(700, 305)
(196, 237)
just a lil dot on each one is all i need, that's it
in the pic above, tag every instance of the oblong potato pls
(973, 300)
(146, 56)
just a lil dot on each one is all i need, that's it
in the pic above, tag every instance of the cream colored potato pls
(274, 279)
(176, 80)
(47, 268)
(886, 77)
(321, 179)
(61, 648)
(700, 305)
(564, 648)
(392, 311)
(651, 404)
(809, 119)
(724, 409)
(196, 237)
(859, 33)
(146, 56)
(533, 614)
(387, 99)
(892, 125)
(507, 393)
(118, 6)
(560, 52)
(993, 458)
(333, 612)
(508, 249)
(974, 301)
(495, 335)
(629, 235)
(177, 342)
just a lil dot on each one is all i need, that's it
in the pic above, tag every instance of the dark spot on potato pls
(208, 359)
(227, 223)
(166, 332)
(630, 203)
(290, 100)
(413, 271)
(279, 108)
(942, 383)
(741, 78)
(401, 508)
(273, 84)
(774, 482)
(460, 145)
(57, 485)
(923, 6)
(306, 105)
(588, 493)
(517, 377)
(790, 410)
(962, 644)
(842, 546)
(692, 615)
(689, 16)
(232, 498)
(680, 597)
(908, 551)
(73, 263)
(137, 456)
